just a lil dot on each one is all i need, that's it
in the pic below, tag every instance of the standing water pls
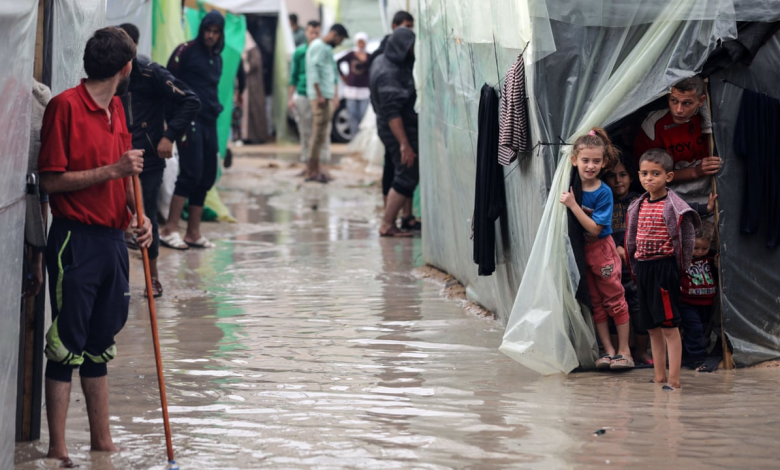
(303, 341)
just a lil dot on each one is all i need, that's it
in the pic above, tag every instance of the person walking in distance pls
(298, 100)
(85, 164)
(152, 90)
(197, 63)
(356, 89)
(393, 95)
(321, 90)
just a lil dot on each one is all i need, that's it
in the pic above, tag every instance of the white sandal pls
(173, 240)
(201, 243)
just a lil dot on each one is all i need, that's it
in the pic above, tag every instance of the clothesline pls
(498, 70)
(538, 145)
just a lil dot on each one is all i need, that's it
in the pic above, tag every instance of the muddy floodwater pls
(304, 341)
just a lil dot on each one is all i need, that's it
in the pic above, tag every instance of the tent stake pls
(728, 361)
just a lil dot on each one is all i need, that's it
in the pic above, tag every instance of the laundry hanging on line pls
(490, 195)
(513, 135)
(757, 141)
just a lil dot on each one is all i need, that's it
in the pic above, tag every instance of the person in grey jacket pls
(393, 96)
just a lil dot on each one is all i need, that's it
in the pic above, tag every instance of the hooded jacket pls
(152, 91)
(392, 86)
(201, 69)
(681, 222)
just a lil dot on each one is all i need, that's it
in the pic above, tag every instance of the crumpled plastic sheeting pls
(17, 34)
(138, 12)
(595, 76)
(74, 23)
(749, 269)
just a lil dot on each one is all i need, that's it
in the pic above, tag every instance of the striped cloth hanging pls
(513, 133)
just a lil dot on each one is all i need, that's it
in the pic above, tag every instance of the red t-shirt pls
(684, 142)
(75, 136)
(698, 284)
(652, 235)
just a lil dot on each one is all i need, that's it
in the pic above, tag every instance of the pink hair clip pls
(592, 133)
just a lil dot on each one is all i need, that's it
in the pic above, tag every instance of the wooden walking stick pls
(153, 317)
(728, 361)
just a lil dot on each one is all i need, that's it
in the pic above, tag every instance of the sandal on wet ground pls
(620, 362)
(202, 242)
(411, 223)
(709, 365)
(395, 232)
(157, 289)
(321, 178)
(173, 240)
(603, 361)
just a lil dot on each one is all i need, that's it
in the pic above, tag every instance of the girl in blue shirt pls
(593, 155)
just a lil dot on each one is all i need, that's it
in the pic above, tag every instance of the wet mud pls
(304, 341)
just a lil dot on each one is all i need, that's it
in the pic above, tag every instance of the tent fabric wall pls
(74, 23)
(17, 34)
(750, 275)
(138, 12)
(580, 74)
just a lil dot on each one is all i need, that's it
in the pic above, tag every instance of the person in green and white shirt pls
(321, 89)
(297, 100)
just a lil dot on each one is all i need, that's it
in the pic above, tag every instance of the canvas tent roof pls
(588, 63)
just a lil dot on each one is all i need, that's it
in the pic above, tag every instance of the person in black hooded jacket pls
(393, 96)
(152, 90)
(198, 63)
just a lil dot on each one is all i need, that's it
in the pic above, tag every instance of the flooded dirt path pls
(303, 341)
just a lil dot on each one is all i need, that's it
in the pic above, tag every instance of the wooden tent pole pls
(728, 361)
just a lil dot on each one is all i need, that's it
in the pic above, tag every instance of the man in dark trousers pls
(152, 90)
(393, 96)
(85, 164)
(197, 63)
(402, 19)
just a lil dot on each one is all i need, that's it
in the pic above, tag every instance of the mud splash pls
(303, 341)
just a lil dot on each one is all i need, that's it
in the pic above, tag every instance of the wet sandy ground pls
(303, 341)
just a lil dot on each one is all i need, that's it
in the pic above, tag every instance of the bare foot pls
(103, 447)
(662, 380)
(62, 456)
(670, 387)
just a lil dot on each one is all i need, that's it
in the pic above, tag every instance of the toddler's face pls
(619, 181)
(701, 248)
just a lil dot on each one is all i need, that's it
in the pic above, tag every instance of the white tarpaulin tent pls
(587, 63)
(137, 12)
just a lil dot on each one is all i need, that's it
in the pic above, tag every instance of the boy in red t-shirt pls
(699, 287)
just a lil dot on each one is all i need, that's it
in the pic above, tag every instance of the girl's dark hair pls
(107, 51)
(598, 138)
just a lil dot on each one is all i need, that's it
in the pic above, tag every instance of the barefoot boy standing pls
(660, 241)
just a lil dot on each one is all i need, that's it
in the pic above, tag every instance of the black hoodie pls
(392, 86)
(200, 69)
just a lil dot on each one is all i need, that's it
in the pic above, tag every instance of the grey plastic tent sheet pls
(74, 23)
(579, 75)
(17, 34)
(751, 279)
(137, 12)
